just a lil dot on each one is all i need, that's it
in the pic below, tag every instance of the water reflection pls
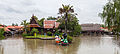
(49, 47)
(12, 46)
(80, 45)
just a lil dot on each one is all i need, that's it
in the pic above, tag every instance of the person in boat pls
(64, 40)
(57, 38)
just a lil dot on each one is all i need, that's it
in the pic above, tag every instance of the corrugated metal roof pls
(90, 27)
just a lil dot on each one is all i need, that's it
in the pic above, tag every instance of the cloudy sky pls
(14, 11)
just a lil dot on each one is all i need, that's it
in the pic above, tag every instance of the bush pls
(25, 34)
(34, 30)
(49, 33)
(56, 31)
(2, 37)
(2, 34)
(2, 31)
(42, 32)
(69, 38)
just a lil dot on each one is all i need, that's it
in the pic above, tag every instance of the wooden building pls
(49, 25)
(91, 29)
(34, 24)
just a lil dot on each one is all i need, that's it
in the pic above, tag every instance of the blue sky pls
(14, 11)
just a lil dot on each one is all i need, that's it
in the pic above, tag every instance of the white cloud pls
(14, 11)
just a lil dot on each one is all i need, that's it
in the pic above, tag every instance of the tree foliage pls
(49, 33)
(24, 23)
(34, 30)
(40, 22)
(65, 10)
(14, 24)
(111, 15)
(51, 18)
(2, 33)
(72, 24)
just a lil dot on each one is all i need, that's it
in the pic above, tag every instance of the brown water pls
(80, 45)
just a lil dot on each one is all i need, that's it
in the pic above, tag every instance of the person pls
(65, 36)
(64, 40)
(57, 38)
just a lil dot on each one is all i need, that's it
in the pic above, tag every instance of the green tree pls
(24, 23)
(51, 18)
(65, 10)
(40, 22)
(16, 24)
(77, 30)
(56, 31)
(1, 33)
(73, 24)
(111, 15)
(13, 24)
(103, 25)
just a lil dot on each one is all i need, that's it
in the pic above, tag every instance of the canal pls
(81, 45)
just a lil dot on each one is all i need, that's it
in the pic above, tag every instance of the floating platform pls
(47, 38)
(42, 38)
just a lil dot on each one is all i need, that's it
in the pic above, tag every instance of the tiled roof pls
(5, 28)
(51, 24)
(57, 24)
(18, 27)
(10, 27)
(33, 25)
(1, 27)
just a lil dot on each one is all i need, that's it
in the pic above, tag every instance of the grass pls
(39, 36)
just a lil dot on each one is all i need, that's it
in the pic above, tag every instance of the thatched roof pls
(90, 27)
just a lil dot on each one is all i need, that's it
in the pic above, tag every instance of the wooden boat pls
(64, 44)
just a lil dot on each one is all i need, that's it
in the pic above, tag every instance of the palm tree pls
(24, 23)
(65, 10)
